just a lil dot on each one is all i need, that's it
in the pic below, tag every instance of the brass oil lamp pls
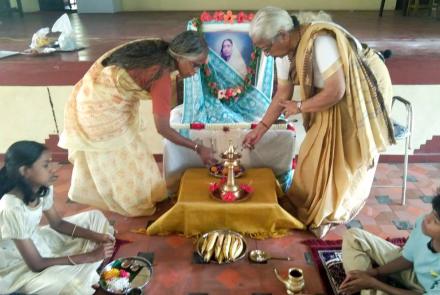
(231, 160)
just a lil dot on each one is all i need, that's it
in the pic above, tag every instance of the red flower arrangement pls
(214, 186)
(246, 188)
(228, 197)
(215, 189)
(197, 126)
(236, 91)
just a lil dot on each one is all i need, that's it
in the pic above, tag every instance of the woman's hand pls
(254, 136)
(103, 251)
(356, 281)
(106, 238)
(289, 108)
(206, 154)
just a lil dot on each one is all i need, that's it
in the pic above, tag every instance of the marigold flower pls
(229, 17)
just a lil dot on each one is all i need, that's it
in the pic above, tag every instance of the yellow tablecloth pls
(196, 212)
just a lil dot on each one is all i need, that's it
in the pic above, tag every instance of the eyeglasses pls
(267, 49)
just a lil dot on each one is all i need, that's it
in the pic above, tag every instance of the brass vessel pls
(294, 282)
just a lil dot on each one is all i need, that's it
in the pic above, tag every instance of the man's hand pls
(356, 281)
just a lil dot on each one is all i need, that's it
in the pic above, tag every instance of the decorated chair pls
(226, 98)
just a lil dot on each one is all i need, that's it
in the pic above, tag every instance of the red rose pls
(250, 16)
(214, 186)
(291, 127)
(205, 16)
(246, 188)
(229, 197)
(219, 16)
(229, 92)
(241, 17)
(197, 126)
(254, 125)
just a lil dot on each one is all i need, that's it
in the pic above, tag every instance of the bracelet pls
(73, 231)
(196, 148)
(299, 106)
(264, 124)
(71, 260)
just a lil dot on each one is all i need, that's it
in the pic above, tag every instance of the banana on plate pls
(221, 246)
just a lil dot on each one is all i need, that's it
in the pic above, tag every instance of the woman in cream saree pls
(114, 168)
(345, 98)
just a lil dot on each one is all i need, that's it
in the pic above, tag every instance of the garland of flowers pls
(230, 126)
(236, 91)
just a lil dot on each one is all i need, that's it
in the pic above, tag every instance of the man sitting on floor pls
(416, 267)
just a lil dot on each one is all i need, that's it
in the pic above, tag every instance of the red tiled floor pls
(175, 273)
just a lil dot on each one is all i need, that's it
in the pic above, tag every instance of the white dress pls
(18, 221)
(326, 60)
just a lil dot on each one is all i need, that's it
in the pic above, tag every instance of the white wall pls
(197, 5)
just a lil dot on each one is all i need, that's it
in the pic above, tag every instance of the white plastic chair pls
(404, 132)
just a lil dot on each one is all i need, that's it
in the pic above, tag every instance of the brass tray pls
(242, 196)
(201, 239)
(140, 270)
(216, 170)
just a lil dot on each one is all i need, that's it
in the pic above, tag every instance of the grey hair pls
(270, 20)
(305, 17)
(189, 45)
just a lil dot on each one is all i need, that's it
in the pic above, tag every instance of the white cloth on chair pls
(276, 150)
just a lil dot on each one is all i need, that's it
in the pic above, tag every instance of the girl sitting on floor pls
(61, 258)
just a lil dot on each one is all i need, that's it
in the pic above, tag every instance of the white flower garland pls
(229, 126)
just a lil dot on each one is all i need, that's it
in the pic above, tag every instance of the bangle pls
(73, 231)
(299, 106)
(71, 260)
(264, 124)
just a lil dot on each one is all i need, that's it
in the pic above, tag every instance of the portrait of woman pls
(233, 56)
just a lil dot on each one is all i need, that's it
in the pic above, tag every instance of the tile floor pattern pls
(176, 270)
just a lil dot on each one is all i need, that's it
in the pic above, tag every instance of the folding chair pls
(404, 132)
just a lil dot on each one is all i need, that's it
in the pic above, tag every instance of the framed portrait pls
(231, 42)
